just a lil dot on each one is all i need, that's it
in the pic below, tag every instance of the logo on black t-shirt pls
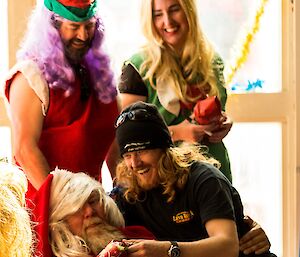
(184, 216)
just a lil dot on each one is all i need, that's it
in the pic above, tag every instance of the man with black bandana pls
(178, 194)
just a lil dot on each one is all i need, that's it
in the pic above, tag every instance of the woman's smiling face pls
(170, 22)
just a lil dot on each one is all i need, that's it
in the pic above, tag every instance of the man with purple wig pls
(60, 95)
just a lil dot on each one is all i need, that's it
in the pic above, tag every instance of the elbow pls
(230, 247)
(18, 153)
(235, 251)
(233, 248)
(22, 152)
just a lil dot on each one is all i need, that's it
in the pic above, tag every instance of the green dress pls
(216, 150)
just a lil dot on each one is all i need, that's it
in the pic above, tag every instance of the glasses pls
(141, 114)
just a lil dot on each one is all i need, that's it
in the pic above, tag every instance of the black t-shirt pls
(207, 195)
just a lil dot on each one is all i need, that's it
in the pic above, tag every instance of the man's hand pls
(254, 240)
(145, 248)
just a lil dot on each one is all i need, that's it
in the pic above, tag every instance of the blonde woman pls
(15, 230)
(176, 68)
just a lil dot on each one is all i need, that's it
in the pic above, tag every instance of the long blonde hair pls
(16, 238)
(173, 170)
(162, 63)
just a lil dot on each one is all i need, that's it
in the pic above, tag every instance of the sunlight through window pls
(4, 38)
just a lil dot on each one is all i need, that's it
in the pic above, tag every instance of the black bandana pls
(139, 127)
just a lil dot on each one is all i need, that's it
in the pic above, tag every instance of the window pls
(5, 146)
(5, 139)
(254, 145)
(255, 152)
(4, 37)
(228, 23)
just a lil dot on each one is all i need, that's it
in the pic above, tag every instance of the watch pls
(174, 250)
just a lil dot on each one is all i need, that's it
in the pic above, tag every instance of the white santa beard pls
(98, 237)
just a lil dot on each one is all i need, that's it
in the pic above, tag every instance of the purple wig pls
(43, 45)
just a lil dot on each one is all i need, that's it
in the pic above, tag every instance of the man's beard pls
(97, 237)
(75, 55)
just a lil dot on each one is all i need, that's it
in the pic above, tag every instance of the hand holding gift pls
(209, 111)
(114, 249)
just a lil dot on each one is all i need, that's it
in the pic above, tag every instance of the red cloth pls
(137, 232)
(39, 206)
(77, 3)
(76, 134)
(208, 110)
(194, 92)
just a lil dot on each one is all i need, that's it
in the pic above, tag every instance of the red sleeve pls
(137, 232)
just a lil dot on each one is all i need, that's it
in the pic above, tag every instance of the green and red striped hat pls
(73, 10)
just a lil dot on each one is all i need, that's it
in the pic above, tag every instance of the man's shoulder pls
(34, 78)
(27, 67)
(30, 70)
(204, 171)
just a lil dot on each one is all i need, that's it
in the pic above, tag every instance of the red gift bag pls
(207, 110)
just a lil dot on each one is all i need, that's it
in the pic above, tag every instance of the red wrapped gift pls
(114, 249)
(208, 110)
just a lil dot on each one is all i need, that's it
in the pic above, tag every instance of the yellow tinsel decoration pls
(243, 52)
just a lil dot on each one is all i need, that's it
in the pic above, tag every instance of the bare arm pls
(222, 241)
(184, 131)
(131, 81)
(27, 123)
(190, 132)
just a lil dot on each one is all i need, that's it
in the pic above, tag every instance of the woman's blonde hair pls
(16, 238)
(173, 170)
(69, 192)
(161, 62)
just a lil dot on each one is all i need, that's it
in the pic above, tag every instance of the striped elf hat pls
(73, 10)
